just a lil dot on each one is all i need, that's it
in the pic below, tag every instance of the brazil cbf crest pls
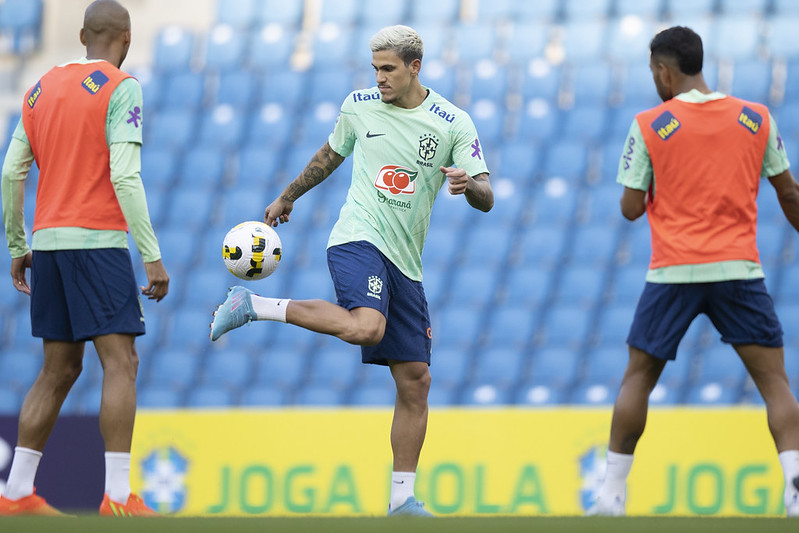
(164, 472)
(428, 144)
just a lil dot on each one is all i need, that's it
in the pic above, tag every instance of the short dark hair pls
(682, 44)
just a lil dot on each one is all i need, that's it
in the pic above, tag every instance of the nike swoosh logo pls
(369, 134)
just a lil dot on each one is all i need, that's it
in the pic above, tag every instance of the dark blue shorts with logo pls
(364, 277)
(741, 310)
(77, 295)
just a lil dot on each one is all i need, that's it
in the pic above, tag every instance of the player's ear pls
(416, 66)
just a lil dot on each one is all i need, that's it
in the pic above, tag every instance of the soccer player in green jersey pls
(407, 141)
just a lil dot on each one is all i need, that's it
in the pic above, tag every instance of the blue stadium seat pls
(735, 37)
(183, 90)
(270, 130)
(262, 396)
(315, 127)
(332, 84)
(584, 40)
(442, 244)
(541, 81)
(605, 366)
(540, 395)
(456, 327)
(442, 11)
(593, 394)
(280, 13)
(435, 281)
(236, 88)
(440, 396)
(628, 39)
(720, 364)
(343, 12)
(542, 245)
(528, 40)
(174, 369)
(319, 395)
(379, 15)
(311, 283)
(174, 48)
(473, 285)
(663, 395)
(473, 42)
(172, 128)
(157, 167)
(649, 9)
(527, 286)
(149, 397)
(545, 10)
(499, 366)
(450, 367)
(781, 38)
(627, 284)
(568, 159)
(519, 160)
(189, 329)
(770, 239)
(21, 21)
(489, 120)
(581, 284)
(373, 396)
(594, 245)
(555, 367)
(510, 328)
(566, 325)
(22, 338)
(585, 9)
(257, 167)
(713, 394)
(190, 207)
(206, 287)
(222, 127)
(601, 206)
(279, 368)
(225, 47)
(240, 204)
(637, 245)
(485, 394)
(209, 396)
(332, 44)
(482, 245)
(18, 369)
(638, 88)
(237, 13)
(750, 8)
(202, 166)
(337, 366)
(230, 367)
(677, 9)
(271, 48)
(591, 85)
(10, 401)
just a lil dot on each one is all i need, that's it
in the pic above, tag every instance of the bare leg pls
(767, 368)
(632, 403)
(410, 413)
(363, 326)
(63, 363)
(118, 406)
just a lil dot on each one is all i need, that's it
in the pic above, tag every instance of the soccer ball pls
(251, 250)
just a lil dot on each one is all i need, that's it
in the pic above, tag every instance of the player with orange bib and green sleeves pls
(694, 165)
(406, 142)
(81, 123)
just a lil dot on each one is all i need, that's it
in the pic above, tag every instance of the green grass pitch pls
(91, 524)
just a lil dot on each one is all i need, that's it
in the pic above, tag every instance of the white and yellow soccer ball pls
(252, 250)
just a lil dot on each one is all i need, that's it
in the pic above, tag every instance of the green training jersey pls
(396, 177)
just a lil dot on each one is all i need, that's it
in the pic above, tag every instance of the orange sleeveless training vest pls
(64, 116)
(707, 160)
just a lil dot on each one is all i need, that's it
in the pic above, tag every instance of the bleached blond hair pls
(402, 40)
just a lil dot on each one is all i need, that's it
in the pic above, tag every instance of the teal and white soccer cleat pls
(233, 313)
(411, 507)
(613, 506)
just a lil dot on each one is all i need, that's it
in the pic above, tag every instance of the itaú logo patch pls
(396, 179)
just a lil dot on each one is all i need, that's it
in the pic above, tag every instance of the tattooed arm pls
(477, 189)
(321, 165)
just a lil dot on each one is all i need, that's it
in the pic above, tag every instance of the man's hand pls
(18, 267)
(279, 210)
(157, 279)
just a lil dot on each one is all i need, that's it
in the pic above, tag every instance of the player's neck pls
(414, 98)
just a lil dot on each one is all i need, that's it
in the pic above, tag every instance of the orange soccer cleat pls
(29, 505)
(134, 507)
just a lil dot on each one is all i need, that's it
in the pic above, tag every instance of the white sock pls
(619, 465)
(117, 476)
(23, 471)
(270, 308)
(401, 488)
(789, 459)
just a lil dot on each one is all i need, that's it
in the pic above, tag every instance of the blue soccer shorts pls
(741, 310)
(77, 295)
(364, 277)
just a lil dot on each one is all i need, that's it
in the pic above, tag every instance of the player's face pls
(393, 76)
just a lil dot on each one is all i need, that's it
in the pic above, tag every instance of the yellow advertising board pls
(507, 461)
